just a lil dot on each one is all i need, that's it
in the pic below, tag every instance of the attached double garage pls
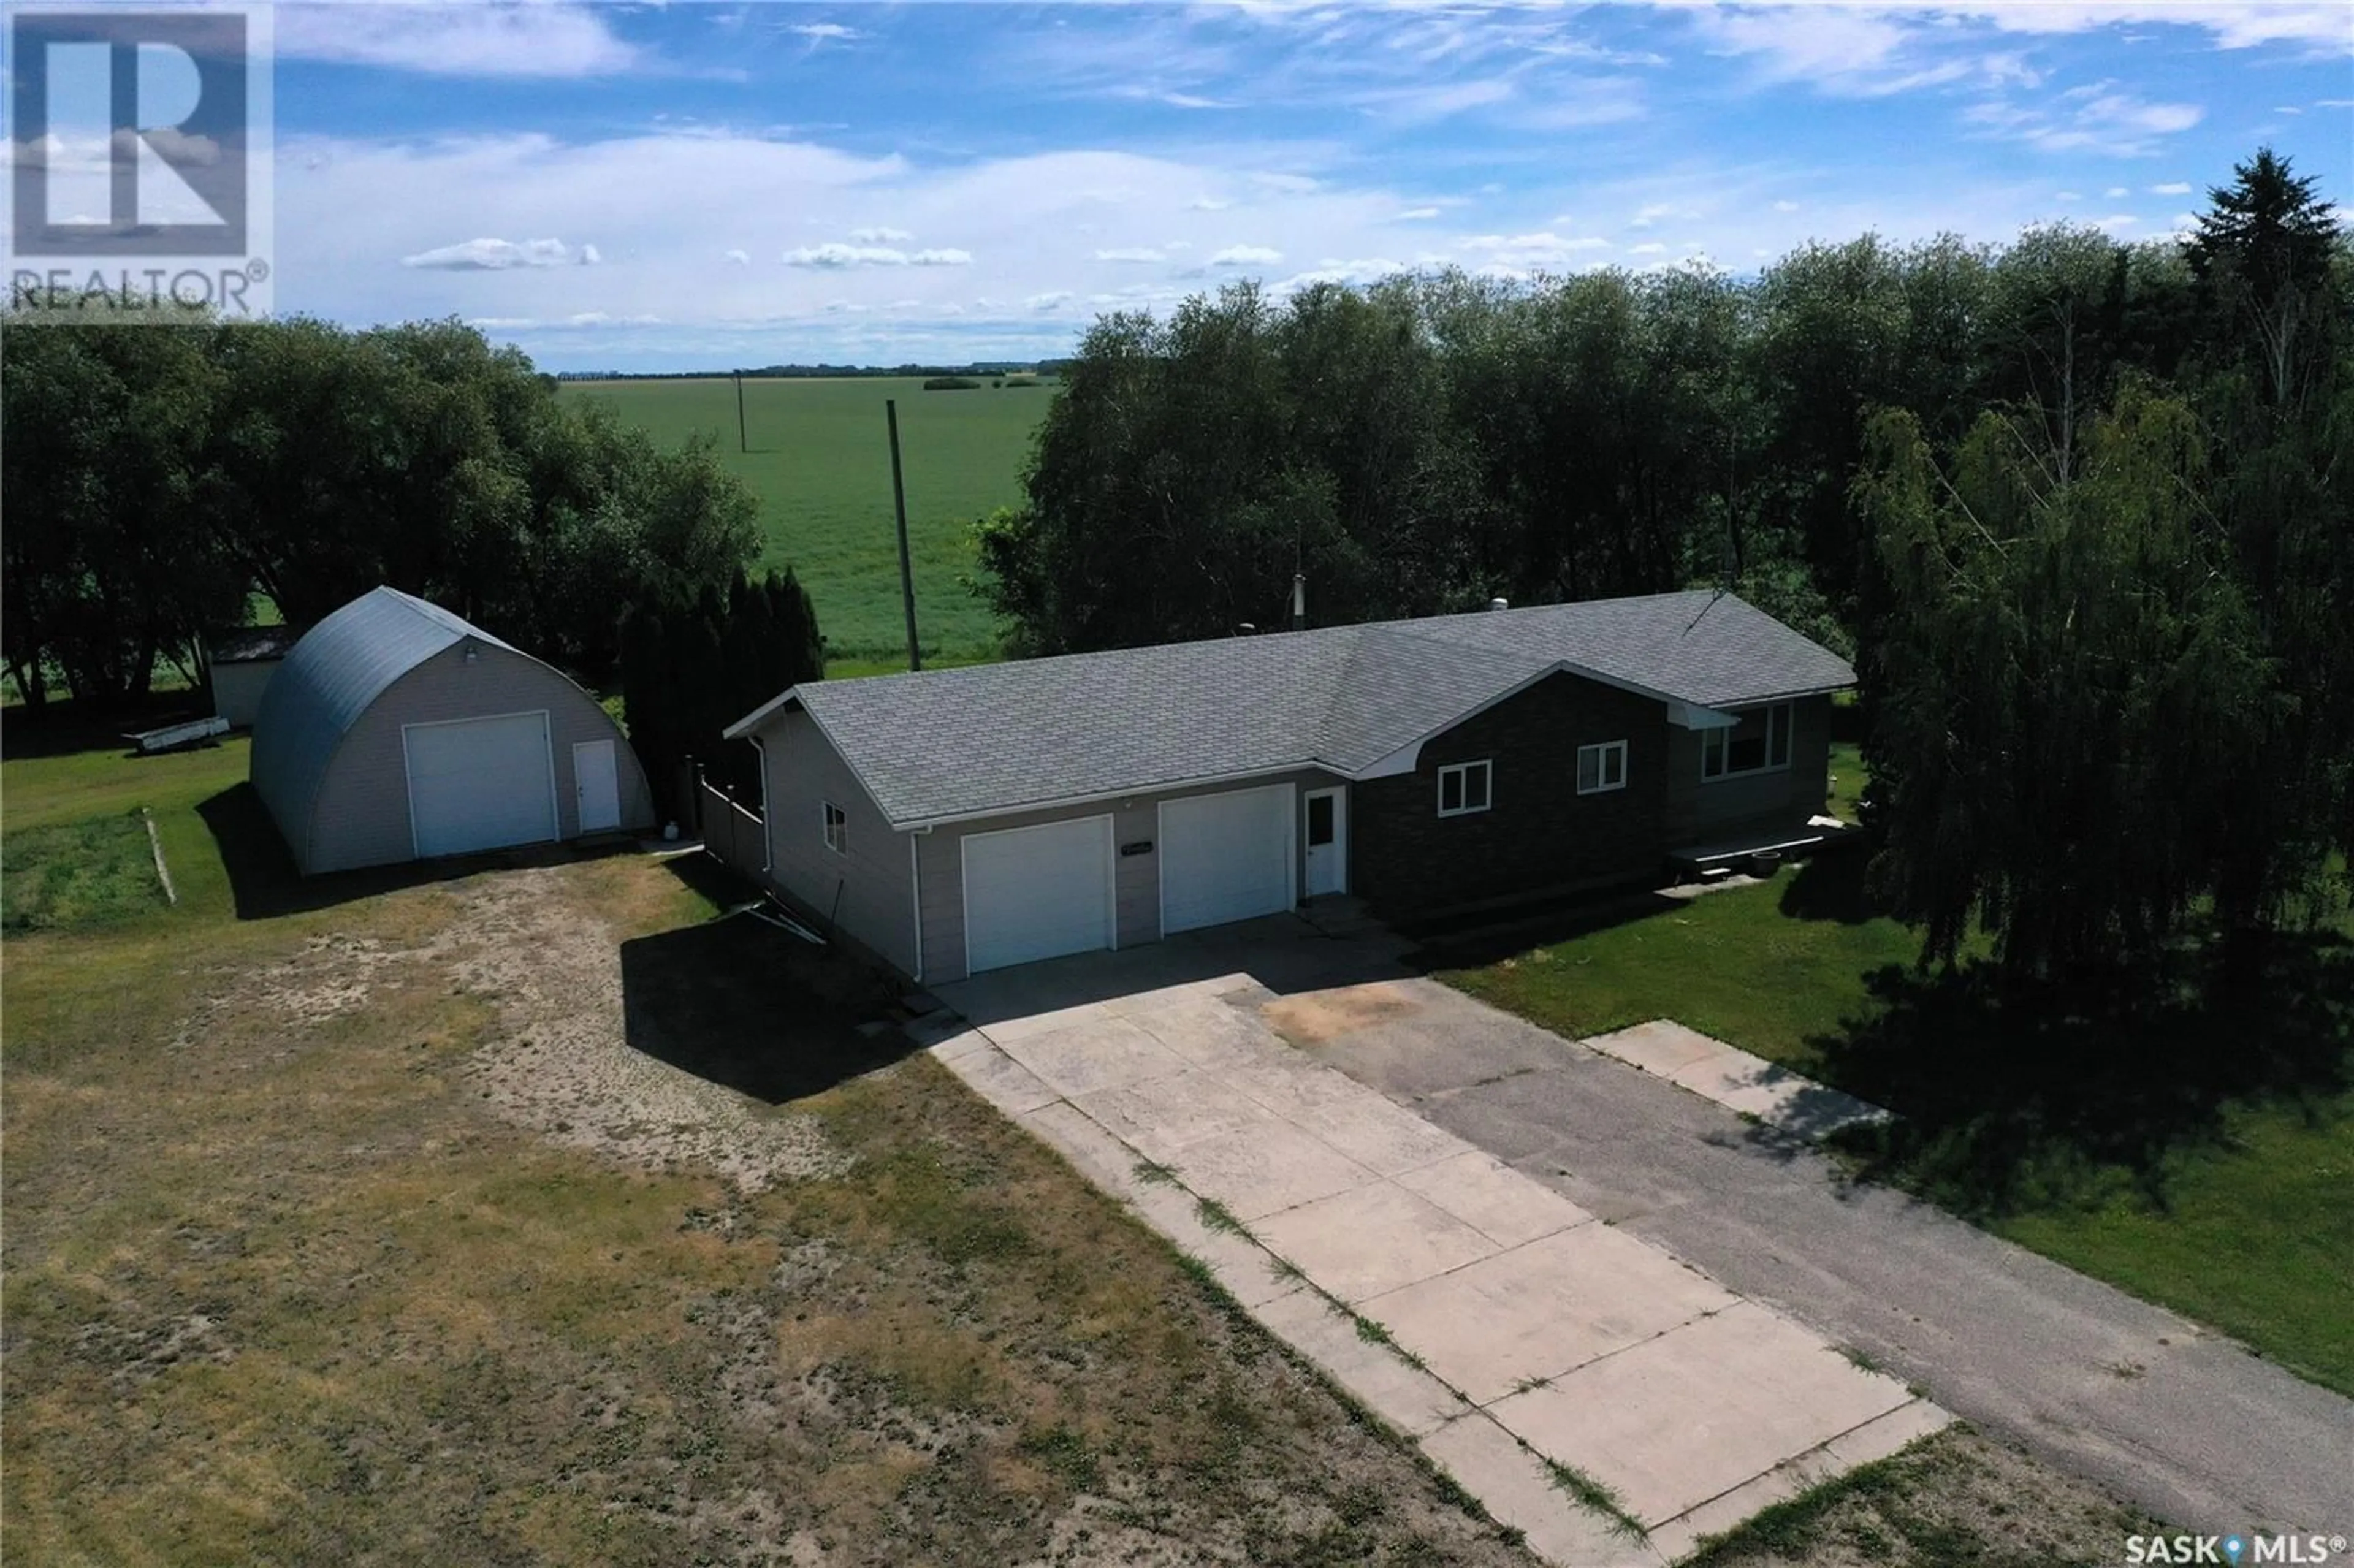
(1013, 891)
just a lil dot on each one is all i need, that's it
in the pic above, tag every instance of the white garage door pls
(478, 784)
(1225, 857)
(1037, 893)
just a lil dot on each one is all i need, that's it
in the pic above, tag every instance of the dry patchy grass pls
(308, 1261)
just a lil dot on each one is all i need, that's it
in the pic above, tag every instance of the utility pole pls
(899, 504)
(742, 444)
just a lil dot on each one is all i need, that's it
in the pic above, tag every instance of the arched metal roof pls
(328, 680)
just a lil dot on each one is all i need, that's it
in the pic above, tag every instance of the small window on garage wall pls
(1602, 767)
(1463, 787)
(837, 828)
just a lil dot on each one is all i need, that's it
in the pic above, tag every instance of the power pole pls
(899, 504)
(742, 444)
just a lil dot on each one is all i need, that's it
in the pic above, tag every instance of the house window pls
(1758, 744)
(1602, 767)
(837, 828)
(1463, 789)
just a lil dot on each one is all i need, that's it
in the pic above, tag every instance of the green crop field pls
(821, 465)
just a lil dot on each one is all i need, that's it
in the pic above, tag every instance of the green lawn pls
(821, 465)
(63, 876)
(52, 797)
(2199, 1154)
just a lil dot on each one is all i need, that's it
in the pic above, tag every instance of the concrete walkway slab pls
(1514, 1485)
(1369, 1241)
(1536, 1312)
(1749, 1085)
(1262, 1170)
(1165, 1116)
(1401, 1393)
(1494, 1199)
(1105, 1053)
(1683, 1418)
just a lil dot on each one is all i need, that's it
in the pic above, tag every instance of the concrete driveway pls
(2172, 1414)
(1521, 1341)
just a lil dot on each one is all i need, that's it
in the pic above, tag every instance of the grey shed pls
(397, 731)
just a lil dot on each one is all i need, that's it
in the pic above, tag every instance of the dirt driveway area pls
(1526, 1341)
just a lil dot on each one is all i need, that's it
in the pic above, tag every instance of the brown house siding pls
(1539, 832)
(1696, 805)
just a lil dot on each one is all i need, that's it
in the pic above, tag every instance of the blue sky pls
(704, 184)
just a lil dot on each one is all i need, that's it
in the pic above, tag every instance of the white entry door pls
(1225, 857)
(596, 785)
(1037, 893)
(1328, 842)
(478, 784)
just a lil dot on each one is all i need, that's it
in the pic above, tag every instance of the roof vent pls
(1499, 604)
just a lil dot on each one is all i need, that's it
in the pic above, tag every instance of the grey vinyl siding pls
(238, 688)
(867, 891)
(360, 816)
(1136, 879)
(1696, 805)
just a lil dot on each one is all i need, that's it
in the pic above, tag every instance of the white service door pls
(1037, 893)
(1328, 840)
(1225, 857)
(596, 785)
(478, 784)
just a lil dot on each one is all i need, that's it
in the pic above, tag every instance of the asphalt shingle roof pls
(1001, 737)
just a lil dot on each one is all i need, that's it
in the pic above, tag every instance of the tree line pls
(2080, 509)
(158, 479)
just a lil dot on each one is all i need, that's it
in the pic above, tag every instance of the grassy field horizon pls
(819, 465)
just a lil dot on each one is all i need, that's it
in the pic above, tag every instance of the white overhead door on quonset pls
(1225, 857)
(478, 784)
(1037, 893)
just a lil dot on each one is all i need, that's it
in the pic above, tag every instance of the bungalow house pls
(957, 821)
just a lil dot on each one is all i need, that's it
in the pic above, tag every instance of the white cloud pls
(501, 255)
(820, 34)
(1359, 271)
(2122, 221)
(2067, 195)
(1519, 252)
(1649, 248)
(2171, 187)
(1245, 256)
(2115, 191)
(836, 257)
(1785, 207)
(2229, 24)
(879, 236)
(741, 258)
(2098, 118)
(553, 38)
(1048, 301)
(1132, 253)
(1645, 216)
(1208, 203)
(1414, 213)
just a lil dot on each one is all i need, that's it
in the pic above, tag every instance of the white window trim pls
(1463, 770)
(1602, 750)
(837, 833)
(1789, 718)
